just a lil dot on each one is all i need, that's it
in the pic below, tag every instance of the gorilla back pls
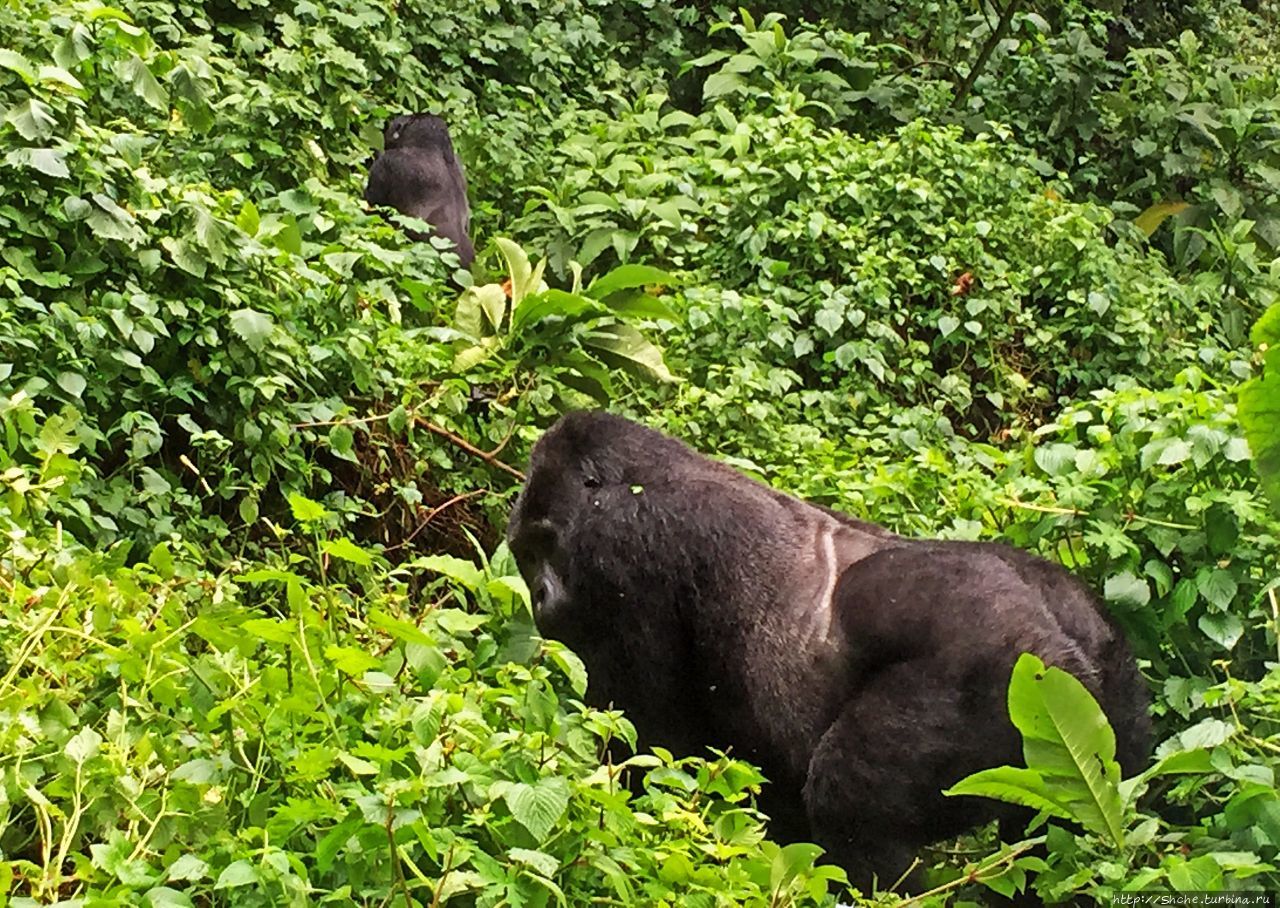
(864, 672)
(419, 174)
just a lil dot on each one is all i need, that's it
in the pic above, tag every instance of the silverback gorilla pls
(864, 672)
(418, 174)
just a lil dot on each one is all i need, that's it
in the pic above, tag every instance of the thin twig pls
(345, 421)
(978, 875)
(1275, 616)
(397, 870)
(435, 512)
(993, 41)
(1039, 508)
(489, 457)
(448, 868)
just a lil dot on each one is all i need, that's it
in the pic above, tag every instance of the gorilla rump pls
(418, 174)
(864, 672)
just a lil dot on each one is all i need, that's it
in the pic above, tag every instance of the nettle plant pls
(320, 726)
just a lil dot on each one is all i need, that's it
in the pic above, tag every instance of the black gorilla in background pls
(862, 671)
(419, 174)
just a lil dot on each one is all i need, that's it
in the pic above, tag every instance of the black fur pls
(697, 599)
(418, 174)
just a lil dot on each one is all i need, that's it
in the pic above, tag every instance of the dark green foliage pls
(1016, 312)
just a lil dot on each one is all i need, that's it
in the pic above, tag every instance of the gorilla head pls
(419, 174)
(863, 671)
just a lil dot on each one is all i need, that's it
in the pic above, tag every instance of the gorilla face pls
(417, 131)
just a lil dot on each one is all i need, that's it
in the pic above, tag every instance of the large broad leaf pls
(538, 807)
(1151, 219)
(253, 327)
(1260, 406)
(481, 310)
(1012, 784)
(628, 277)
(1069, 749)
(525, 279)
(542, 305)
(629, 347)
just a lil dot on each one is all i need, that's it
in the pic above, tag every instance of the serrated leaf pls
(48, 161)
(1223, 628)
(15, 62)
(234, 875)
(305, 510)
(144, 84)
(538, 807)
(253, 327)
(188, 867)
(72, 382)
(347, 550)
(1128, 590)
(1217, 586)
(463, 572)
(83, 746)
(33, 119)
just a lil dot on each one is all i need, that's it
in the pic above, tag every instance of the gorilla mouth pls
(546, 593)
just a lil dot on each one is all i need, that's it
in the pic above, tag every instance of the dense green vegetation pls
(971, 270)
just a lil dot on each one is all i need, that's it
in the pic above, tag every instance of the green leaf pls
(1151, 219)
(247, 220)
(720, 84)
(545, 864)
(83, 746)
(15, 62)
(253, 327)
(1131, 591)
(630, 347)
(273, 630)
(48, 161)
(1069, 749)
(480, 310)
(525, 279)
(351, 661)
(627, 277)
(1217, 586)
(1260, 406)
(346, 550)
(535, 307)
(188, 867)
(144, 84)
(463, 572)
(538, 807)
(1066, 738)
(1223, 628)
(342, 441)
(239, 873)
(33, 119)
(72, 382)
(1013, 785)
(305, 510)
